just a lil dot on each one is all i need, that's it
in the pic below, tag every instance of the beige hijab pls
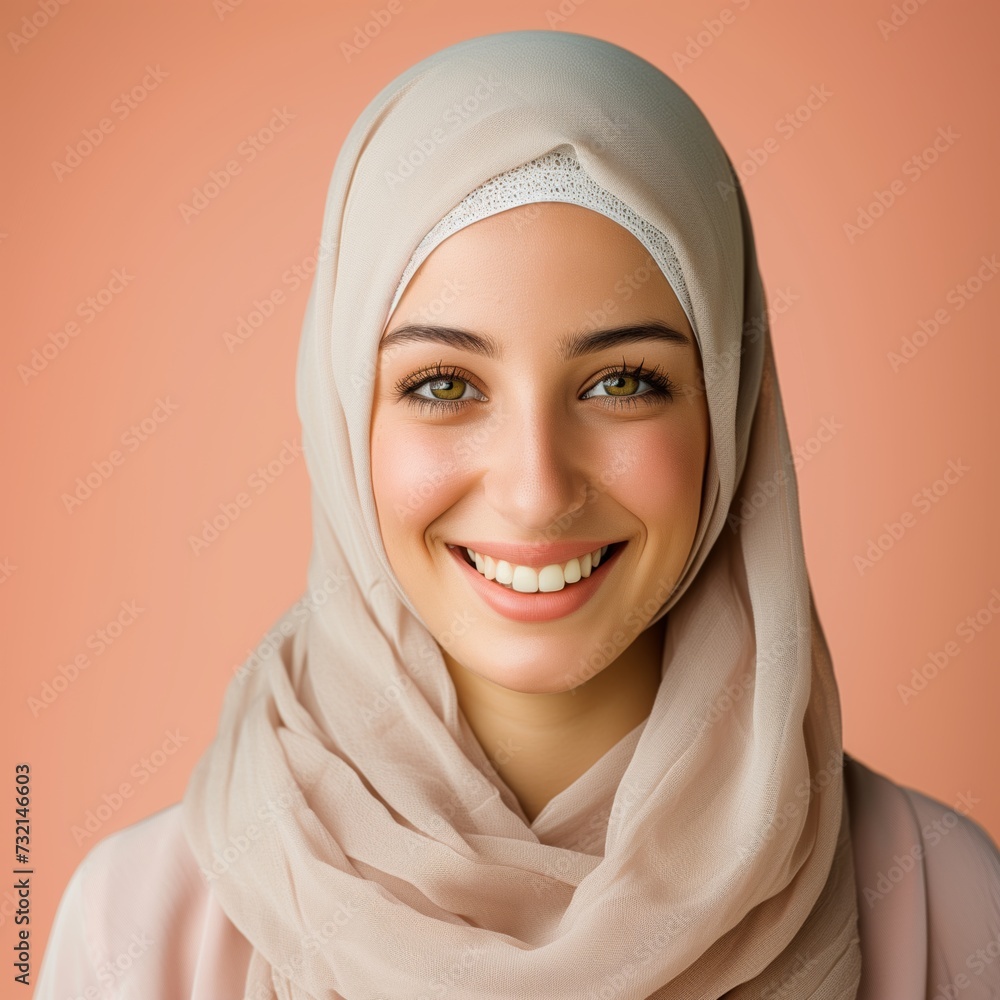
(347, 819)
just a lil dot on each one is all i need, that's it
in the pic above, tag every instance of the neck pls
(541, 743)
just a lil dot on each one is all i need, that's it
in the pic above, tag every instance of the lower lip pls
(540, 606)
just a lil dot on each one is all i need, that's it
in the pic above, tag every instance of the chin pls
(548, 675)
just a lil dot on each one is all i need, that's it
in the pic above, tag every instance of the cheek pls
(658, 472)
(415, 474)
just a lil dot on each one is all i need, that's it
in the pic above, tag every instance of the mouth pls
(493, 571)
(557, 590)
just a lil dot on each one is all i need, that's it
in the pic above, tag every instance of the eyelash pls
(662, 387)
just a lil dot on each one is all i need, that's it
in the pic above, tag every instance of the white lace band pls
(555, 176)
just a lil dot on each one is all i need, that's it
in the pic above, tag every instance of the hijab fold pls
(369, 848)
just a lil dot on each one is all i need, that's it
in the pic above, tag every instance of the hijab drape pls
(347, 820)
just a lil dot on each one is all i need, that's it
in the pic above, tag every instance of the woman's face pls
(525, 407)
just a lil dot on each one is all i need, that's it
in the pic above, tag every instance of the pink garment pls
(138, 919)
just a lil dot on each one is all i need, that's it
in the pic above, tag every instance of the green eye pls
(621, 386)
(628, 389)
(447, 388)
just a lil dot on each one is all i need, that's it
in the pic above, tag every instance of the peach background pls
(162, 337)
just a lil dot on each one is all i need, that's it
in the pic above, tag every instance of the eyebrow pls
(569, 347)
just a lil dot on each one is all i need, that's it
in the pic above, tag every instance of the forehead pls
(546, 264)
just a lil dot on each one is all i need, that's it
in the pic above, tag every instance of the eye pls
(620, 385)
(438, 388)
(444, 389)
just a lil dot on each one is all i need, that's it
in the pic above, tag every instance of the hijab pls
(345, 816)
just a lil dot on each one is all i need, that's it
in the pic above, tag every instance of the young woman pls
(555, 716)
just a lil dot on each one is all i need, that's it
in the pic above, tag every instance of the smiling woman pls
(565, 727)
(535, 442)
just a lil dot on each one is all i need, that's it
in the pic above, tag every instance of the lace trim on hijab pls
(554, 176)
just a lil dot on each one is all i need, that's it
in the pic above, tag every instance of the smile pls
(535, 594)
(528, 579)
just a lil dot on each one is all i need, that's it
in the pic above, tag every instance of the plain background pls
(144, 707)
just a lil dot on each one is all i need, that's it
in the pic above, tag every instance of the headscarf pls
(345, 816)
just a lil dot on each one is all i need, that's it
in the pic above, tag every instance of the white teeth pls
(527, 580)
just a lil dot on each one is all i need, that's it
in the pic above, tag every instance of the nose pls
(536, 468)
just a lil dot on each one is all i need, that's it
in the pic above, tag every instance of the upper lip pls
(535, 555)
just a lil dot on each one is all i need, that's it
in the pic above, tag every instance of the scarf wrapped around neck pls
(346, 818)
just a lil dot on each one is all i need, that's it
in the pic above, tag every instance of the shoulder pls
(151, 853)
(962, 868)
(928, 878)
(945, 838)
(136, 918)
